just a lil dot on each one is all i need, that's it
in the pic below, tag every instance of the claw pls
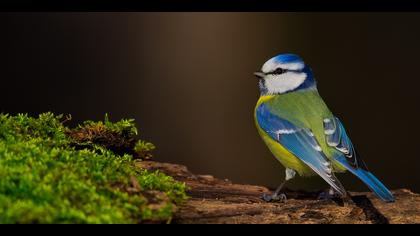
(328, 195)
(274, 197)
(266, 197)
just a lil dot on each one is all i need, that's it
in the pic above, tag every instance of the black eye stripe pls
(279, 71)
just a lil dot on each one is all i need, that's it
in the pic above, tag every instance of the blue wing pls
(300, 142)
(336, 137)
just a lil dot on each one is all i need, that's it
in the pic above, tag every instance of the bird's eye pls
(279, 71)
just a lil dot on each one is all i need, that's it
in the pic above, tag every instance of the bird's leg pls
(277, 196)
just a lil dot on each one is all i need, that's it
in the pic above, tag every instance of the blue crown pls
(288, 58)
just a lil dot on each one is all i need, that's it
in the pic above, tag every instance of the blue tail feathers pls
(380, 189)
(371, 181)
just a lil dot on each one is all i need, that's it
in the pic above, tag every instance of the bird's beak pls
(259, 74)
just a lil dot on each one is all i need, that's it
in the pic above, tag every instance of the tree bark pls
(221, 201)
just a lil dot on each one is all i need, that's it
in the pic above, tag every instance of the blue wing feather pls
(337, 137)
(300, 142)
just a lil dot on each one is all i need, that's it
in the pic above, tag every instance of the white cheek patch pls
(276, 84)
(292, 66)
(272, 65)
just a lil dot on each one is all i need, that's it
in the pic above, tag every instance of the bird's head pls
(284, 73)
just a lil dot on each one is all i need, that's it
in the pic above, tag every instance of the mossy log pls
(221, 201)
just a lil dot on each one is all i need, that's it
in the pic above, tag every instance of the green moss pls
(143, 149)
(49, 176)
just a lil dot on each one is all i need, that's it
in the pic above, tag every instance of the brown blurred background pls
(187, 80)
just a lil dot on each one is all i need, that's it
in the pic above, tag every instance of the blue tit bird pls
(300, 130)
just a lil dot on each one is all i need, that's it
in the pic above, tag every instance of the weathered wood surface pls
(220, 201)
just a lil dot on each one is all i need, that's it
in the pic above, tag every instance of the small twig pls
(135, 183)
(66, 119)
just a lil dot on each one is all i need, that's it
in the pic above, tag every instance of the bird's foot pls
(329, 194)
(281, 197)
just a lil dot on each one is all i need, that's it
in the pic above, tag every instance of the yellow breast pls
(286, 158)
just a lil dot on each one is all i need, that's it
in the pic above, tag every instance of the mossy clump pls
(119, 137)
(48, 175)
